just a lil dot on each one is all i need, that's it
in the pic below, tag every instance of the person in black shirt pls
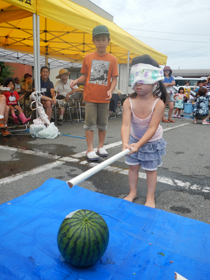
(47, 89)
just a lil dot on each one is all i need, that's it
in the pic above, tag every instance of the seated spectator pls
(201, 109)
(26, 89)
(17, 84)
(64, 91)
(4, 113)
(12, 98)
(47, 89)
(27, 83)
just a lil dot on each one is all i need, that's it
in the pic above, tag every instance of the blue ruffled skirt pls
(148, 156)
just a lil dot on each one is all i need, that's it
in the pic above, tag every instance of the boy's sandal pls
(102, 152)
(92, 156)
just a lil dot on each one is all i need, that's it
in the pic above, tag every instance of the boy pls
(98, 69)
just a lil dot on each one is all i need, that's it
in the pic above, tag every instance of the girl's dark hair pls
(180, 89)
(160, 90)
(202, 91)
(8, 80)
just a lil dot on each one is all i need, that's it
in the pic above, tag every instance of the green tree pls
(5, 71)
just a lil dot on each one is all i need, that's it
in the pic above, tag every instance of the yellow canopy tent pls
(65, 31)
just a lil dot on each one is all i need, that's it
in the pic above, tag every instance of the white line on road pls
(74, 158)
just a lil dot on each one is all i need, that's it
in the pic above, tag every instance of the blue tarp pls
(144, 243)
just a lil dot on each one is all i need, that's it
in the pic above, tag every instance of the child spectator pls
(141, 131)
(187, 90)
(179, 104)
(198, 85)
(98, 69)
(12, 98)
(4, 112)
(201, 109)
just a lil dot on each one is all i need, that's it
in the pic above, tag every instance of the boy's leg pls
(151, 186)
(90, 124)
(133, 176)
(89, 139)
(101, 136)
(102, 123)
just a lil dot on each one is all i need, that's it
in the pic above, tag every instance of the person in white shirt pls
(62, 87)
(17, 84)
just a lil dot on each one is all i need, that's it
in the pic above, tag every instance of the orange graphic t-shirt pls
(99, 70)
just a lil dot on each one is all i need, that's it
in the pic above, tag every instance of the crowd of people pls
(178, 99)
(143, 110)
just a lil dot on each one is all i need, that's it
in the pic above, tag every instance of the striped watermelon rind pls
(83, 238)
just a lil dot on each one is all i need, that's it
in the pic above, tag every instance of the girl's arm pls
(155, 121)
(21, 97)
(126, 124)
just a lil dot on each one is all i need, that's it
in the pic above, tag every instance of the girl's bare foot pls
(130, 197)
(150, 202)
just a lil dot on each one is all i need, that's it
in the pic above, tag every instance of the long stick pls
(80, 178)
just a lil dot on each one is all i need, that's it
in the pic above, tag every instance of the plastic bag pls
(49, 132)
(35, 128)
(41, 131)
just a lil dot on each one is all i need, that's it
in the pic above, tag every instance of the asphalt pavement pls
(183, 185)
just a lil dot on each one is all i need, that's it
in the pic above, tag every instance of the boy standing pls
(99, 72)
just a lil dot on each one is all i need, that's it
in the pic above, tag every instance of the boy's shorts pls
(96, 114)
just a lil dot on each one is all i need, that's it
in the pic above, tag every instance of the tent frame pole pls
(38, 49)
(35, 53)
(128, 66)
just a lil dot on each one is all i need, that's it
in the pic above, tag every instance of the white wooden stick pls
(85, 175)
(179, 277)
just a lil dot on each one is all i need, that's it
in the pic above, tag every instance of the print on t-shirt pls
(12, 98)
(99, 72)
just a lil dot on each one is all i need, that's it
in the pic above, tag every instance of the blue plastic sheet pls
(144, 243)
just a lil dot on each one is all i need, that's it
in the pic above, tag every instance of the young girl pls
(141, 131)
(12, 98)
(201, 109)
(179, 102)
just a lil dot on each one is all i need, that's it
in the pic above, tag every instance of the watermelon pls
(83, 238)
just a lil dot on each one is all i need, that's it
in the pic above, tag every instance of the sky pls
(179, 29)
